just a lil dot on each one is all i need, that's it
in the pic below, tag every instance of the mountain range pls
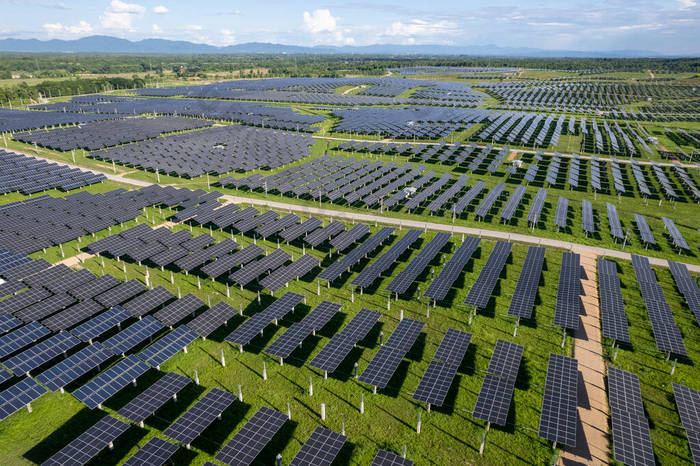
(108, 44)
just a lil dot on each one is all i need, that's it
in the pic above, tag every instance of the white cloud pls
(419, 27)
(193, 27)
(56, 29)
(685, 4)
(121, 15)
(155, 29)
(319, 21)
(160, 10)
(227, 37)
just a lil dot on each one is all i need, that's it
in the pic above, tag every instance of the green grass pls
(390, 417)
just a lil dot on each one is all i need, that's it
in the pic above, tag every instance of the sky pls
(664, 26)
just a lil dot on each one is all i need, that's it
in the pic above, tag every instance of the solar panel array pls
(481, 290)
(559, 417)
(523, 301)
(486, 205)
(644, 230)
(41, 353)
(249, 441)
(687, 286)
(568, 305)
(340, 345)
(533, 215)
(134, 335)
(88, 444)
(631, 437)
(101, 323)
(75, 366)
(437, 379)
(176, 311)
(440, 286)
(404, 279)
(146, 403)
(513, 203)
(320, 449)
(190, 425)
(614, 222)
(257, 323)
(688, 404)
(386, 458)
(155, 452)
(678, 241)
(109, 382)
(169, 345)
(493, 402)
(383, 365)
(365, 278)
(612, 306)
(666, 333)
(27, 175)
(19, 395)
(211, 319)
(587, 222)
(359, 252)
(298, 332)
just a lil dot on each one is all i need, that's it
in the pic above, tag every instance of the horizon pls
(666, 28)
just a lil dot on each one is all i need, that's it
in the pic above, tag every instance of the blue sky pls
(666, 26)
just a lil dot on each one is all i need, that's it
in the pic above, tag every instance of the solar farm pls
(447, 265)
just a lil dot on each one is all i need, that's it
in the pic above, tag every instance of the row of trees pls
(55, 65)
(23, 93)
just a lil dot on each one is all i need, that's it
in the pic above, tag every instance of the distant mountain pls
(107, 44)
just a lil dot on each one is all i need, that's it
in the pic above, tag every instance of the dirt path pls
(651, 74)
(592, 436)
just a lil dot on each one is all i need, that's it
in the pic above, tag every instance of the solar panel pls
(41, 353)
(296, 231)
(435, 383)
(75, 366)
(250, 272)
(225, 263)
(614, 222)
(533, 215)
(47, 276)
(21, 300)
(21, 337)
(405, 335)
(644, 230)
(94, 287)
(71, 281)
(134, 335)
(562, 212)
(523, 300)
(512, 204)
(154, 453)
(213, 318)
(615, 324)
(320, 449)
(88, 444)
(365, 278)
(408, 275)
(386, 458)
(19, 395)
(481, 290)
(45, 307)
(485, 206)
(154, 397)
(356, 254)
(252, 327)
(337, 349)
(8, 322)
(631, 437)
(688, 404)
(109, 382)
(178, 310)
(278, 278)
(493, 402)
(165, 348)
(568, 305)
(559, 416)
(439, 287)
(587, 222)
(191, 424)
(101, 323)
(248, 442)
(148, 301)
(453, 347)
(347, 238)
(26, 269)
(382, 367)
